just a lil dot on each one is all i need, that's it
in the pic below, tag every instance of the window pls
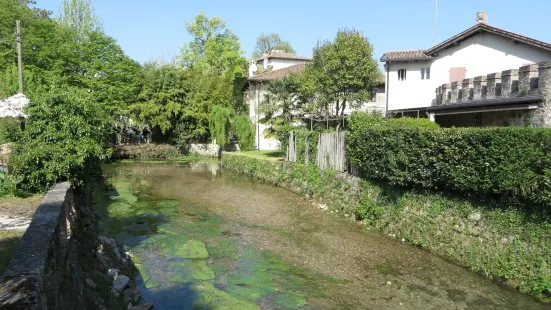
(425, 73)
(402, 75)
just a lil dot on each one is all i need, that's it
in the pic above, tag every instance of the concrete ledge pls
(39, 260)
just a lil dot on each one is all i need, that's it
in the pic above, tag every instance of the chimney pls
(252, 68)
(482, 17)
(266, 55)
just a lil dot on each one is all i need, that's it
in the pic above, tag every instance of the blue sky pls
(153, 30)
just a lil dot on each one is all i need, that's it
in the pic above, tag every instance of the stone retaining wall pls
(33, 277)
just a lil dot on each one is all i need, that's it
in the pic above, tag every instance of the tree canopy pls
(269, 42)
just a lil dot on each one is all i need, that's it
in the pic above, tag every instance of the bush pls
(412, 122)
(10, 130)
(509, 162)
(244, 130)
(147, 152)
(65, 132)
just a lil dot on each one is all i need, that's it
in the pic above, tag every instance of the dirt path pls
(16, 213)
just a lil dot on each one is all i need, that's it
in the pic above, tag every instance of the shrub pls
(10, 130)
(65, 132)
(412, 122)
(509, 162)
(147, 152)
(244, 130)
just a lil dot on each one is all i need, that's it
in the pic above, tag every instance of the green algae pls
(180, 278)
(290, 300)
(192, 249)
(385, 269)
(225, 249)
(152, 284)
(201, 271)
(212, 298)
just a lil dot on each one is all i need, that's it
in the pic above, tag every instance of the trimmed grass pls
(269, 155)
(9, 240)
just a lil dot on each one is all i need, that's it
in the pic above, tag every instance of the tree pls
(281, 105)
(66, 130)
(216, 73)
(343, 72)
(79, 16)
(162, 97)
(269, 42)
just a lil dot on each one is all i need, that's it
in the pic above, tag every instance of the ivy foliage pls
(484, 162)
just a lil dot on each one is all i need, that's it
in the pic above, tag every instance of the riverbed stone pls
(132, 295)
(477, 216)
(90, 283)
(146, 306)
(113, 272)
(120, 283)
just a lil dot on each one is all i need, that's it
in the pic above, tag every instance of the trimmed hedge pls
(510, 162)
(147, 152)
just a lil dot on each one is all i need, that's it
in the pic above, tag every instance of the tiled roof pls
(478, 28)
(277, 74)
(283, 55)
(482, 27)
(405, 55)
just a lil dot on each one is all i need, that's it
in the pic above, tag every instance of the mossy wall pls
(508, 244)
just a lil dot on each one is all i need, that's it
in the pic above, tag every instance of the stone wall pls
(529, 84)
(211, 150)
(33, 277)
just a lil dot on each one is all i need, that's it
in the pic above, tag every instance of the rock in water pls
(121, 282)
(147, 306)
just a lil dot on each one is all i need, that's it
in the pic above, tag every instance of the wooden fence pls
(331, 152)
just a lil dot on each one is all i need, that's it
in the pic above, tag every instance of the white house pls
(413, 76)
(276, 65)
(271, 66)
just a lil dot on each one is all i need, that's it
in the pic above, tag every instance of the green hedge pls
(509, 162)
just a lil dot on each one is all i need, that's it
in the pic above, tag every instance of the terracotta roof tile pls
(277, 74)
(405, 55)
(283, 55)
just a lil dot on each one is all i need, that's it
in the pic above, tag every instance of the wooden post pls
(19, 57)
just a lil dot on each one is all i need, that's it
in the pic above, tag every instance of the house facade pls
(412, 77)
(277, 65)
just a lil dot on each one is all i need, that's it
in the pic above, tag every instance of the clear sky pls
(149, 30)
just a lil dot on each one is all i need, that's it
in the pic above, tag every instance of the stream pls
(206, 238)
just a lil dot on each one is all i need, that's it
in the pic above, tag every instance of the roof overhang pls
(489, 105)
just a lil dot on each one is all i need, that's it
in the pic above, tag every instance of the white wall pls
(254, 97)
(283, 63)
(482, 54)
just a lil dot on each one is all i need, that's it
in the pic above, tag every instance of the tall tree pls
(268, 42)
(80, 16)
(162, 96)
(343, 72)
(217, 67)
(282, 105)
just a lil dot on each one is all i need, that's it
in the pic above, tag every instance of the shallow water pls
(206, 238)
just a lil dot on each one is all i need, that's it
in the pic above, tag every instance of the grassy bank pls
(507, 244)
(9, 240)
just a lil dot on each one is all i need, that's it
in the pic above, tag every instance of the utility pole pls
(19, 57)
